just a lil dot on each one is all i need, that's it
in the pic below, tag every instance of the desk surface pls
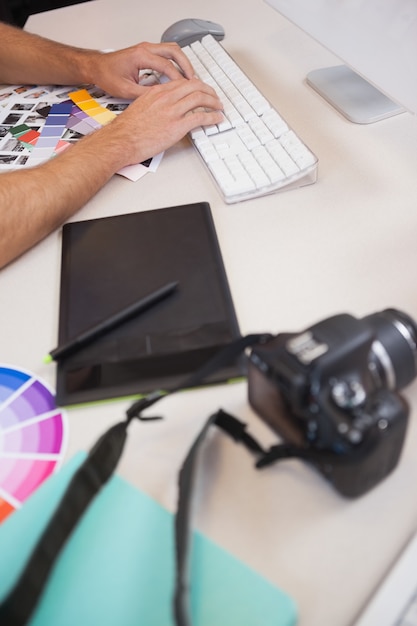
(346, 243)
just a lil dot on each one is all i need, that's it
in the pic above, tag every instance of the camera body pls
(333, 390)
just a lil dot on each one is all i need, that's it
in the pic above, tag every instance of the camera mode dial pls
(347, 394)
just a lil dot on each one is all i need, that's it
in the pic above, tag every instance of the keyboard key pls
(261, 130)
(281, 156)
(270, 166)
(275, 123)
(254, 170)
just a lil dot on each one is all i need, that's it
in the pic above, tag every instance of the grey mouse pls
(186, 31)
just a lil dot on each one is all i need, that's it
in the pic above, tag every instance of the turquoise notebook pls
(118, 566)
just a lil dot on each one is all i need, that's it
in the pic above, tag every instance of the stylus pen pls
(106, 325)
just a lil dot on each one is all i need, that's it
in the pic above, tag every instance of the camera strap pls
(235, 429)
(99, 465)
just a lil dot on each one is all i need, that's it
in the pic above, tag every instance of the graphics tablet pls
(111, 262)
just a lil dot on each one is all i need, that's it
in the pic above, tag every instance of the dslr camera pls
(331, 392)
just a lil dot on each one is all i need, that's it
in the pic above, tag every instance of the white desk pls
(347, 243)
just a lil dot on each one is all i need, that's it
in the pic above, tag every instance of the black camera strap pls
(237, 430)
(85, 484)
(99, 465)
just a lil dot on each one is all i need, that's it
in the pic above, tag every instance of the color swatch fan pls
(33, 436)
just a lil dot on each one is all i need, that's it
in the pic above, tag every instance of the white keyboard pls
(252, 152)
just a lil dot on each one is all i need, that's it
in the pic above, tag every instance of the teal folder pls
(118, 566)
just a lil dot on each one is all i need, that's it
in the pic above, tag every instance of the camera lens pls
(393, 358)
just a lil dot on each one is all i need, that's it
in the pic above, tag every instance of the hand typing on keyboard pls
(252, 151)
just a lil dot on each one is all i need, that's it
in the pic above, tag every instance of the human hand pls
(157, 120)
(118, 72)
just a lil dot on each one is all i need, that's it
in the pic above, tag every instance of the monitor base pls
(351, 95)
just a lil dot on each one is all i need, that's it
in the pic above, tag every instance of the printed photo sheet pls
(38, 122)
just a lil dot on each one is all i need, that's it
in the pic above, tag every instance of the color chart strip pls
(33, 436)
(50, 141)
(26, 135)
(90, 108)
(80, 122)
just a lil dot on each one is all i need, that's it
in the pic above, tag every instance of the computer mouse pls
(186, 31)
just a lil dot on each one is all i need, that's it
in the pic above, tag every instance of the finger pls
(195, 110)
(129, 89)
(194, 92)
(197, 101)
(182, 60)
(165, 56)
(201, 117)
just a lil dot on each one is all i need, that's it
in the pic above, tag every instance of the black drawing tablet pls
(111, 262)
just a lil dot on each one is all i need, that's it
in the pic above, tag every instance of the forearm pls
(28, 59)
(36, 201)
